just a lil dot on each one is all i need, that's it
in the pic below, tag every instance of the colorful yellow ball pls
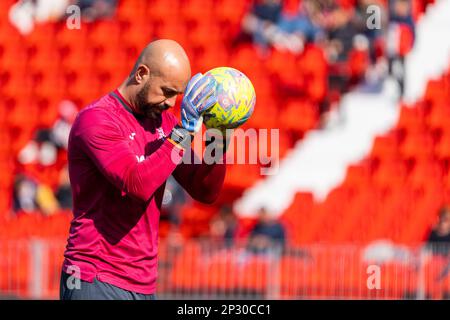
(236, 99)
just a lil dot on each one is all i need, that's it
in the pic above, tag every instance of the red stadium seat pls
(136, 35)
(435, 92)
(129, 10)
(231, 11)
(385, 147)
(299, 115)
(417, 144)
(389, 174)
(196, 10)
(439, 116)
(159, 10)
(410, 117)
(424, 172)
(442, 148)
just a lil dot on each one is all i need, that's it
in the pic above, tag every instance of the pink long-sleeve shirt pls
(118, 165)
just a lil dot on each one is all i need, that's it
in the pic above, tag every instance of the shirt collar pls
(116, 94)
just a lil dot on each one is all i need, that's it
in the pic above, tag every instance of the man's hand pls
(200, 96)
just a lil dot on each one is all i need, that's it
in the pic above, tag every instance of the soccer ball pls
(236, 99)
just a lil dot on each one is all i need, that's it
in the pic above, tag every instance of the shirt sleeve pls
(103, 142)
(202, 181)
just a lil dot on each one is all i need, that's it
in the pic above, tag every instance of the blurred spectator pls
(24, 194)
(60, 131)
(339, 42)
(294, 30)
(40, 150)
(29, 196)
(43, 149)
(64, 191)
(268, 234)
(361, 17)
(259, 22)
(29, 153)
(341, 31)
(42, 159)
(369, 46)
(386, 251)
(400, 38)
(96, 9)
(401, 12)
(439, 239)
(173, 200)
(223, 227)
(25, 13)
(45, 198)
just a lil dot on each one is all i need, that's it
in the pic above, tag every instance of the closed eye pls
(169, 92)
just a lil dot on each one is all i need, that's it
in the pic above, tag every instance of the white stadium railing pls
(203, 269)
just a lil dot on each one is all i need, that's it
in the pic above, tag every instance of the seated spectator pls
(293, 31)
(341, 31)
(173, 201)
(96, 9)
(223, 227)
(46, 200)
(41, 158)
(363, 15)
(24, 194)
(64, 191)
(439, 239)
(29, 196)
(260, 21)
(400, 38)
(43, 149)
(59, 134)
(25, 13)
(268, 234)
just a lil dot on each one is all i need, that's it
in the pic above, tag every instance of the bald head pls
(161, 72)
(163, 54)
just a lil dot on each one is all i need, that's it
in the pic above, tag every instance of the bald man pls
(122, 149)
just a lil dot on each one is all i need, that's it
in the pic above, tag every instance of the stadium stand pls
(393, 193)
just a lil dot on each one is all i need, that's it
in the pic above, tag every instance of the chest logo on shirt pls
(161, 134)
(140, 159)
(131, 136)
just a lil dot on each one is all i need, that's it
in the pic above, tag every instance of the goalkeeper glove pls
(200, 96)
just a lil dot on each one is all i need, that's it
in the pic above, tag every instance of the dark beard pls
(149, 110)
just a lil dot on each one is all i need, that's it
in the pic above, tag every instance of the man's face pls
(159, 93)
(402, 8)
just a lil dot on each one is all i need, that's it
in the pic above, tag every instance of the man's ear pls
(142, 73)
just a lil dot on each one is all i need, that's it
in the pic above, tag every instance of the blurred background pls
(360, 93)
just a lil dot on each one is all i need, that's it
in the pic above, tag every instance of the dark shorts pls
(74, 289)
